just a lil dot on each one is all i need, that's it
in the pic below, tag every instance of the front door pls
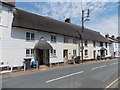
(102, 52)
(94, 53)
(65, 54)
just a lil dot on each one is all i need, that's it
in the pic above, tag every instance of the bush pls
(77, 59)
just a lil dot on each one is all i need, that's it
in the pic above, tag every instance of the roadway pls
(93, 75)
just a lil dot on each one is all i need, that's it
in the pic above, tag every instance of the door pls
(94, 54)
(65, 54)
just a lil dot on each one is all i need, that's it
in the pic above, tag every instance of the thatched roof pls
(23, 19)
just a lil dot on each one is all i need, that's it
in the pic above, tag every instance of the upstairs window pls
(65, 40)
(0, 20)
(75, 41)
(53, 38)
(86, 43)
(94, 43)
(86, 52)
(106, 45)
(30, 36)
(101, 44)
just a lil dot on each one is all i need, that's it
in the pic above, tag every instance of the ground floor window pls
(86, 52)
(53, 52)
(29, 52)
(74, 53)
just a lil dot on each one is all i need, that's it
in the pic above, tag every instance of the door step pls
(43, 67)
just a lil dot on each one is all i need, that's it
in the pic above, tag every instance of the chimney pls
(11, 2)
(106, 36)
(67, 20)
(118, 38)
(113, 36)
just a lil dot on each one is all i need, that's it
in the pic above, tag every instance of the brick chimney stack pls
(11, 2)
(113, 36)
(106, 36)
(67, 20)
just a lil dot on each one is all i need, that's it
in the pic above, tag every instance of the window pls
(65, 40)
(106, 52)
(53, 52)
(53, 38)
(30, 36)
(75, 41)
(86, 52)
(94, 44)
(106, 45)
(101, 44)
(29, 52)
(74, 53)
(0, 20)
(86, 43)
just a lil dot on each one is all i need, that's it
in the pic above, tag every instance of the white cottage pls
(114, 46)
(27, 35)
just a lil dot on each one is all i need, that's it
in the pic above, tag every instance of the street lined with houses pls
(81, 76)
(37, 51)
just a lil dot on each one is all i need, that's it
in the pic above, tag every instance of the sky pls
(103, 14)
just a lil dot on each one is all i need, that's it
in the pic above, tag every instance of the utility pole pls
(84, 18)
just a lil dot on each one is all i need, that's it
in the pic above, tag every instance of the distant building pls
(27, 35)
(114, 46)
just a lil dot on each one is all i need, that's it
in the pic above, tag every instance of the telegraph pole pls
(84, 18)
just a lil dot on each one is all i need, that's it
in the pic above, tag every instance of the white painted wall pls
(5, 26)
(13, 42)
(17, 45)
(70, 46)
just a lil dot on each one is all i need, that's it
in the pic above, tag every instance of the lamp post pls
(84, 18)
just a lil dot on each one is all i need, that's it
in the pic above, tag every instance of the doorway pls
(42, 55)
(94, 54)
(65, 53)
(102, 53)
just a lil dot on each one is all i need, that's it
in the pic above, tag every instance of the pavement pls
(92, 75)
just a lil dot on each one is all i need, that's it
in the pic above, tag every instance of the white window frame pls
(31, 52)
(53, 52)
(30, 36)
(85, 44)
(86, 53)
(75, 41)
(74, 52)
(65, 39)
(53, 38)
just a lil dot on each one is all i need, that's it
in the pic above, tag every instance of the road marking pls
(112, 83)
(98, 67)
(114, 63)
(64, 76)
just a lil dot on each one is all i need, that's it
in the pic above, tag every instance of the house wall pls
(90, 48)
(13, 42)
(70, 46)
(17, 46)
(5, 27)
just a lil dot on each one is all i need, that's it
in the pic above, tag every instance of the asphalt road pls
(93, 75)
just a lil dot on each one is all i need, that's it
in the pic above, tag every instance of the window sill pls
(30, 40)
(53, 57)
(53, 42)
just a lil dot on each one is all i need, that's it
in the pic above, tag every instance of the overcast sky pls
(103, 15)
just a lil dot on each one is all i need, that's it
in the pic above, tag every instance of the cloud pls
(101, 13)
(106, 26)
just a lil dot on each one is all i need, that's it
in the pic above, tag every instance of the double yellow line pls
(112, 83)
